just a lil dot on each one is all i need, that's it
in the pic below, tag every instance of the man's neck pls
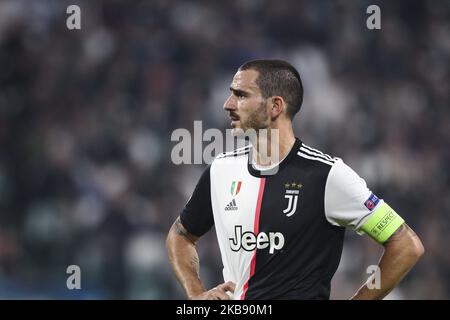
(272, 147)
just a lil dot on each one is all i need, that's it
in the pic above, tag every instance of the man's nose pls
(229, 104)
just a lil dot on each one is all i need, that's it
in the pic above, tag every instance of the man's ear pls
(278, 105)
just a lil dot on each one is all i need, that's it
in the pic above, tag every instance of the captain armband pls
(382, 223)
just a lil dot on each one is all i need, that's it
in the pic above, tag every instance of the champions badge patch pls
(371, 202)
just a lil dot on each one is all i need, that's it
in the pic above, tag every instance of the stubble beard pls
(255, 121)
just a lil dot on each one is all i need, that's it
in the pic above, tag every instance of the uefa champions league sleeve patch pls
(371, 202)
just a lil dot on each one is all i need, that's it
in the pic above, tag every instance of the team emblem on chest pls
(291, 193)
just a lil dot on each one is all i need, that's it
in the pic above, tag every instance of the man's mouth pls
(234, 118)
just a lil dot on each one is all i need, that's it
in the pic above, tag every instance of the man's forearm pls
(184, 259)
(400, 255)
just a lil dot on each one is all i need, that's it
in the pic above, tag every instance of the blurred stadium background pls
(86, 118)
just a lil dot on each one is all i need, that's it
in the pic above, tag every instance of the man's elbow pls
(406, 244)
(415, 249)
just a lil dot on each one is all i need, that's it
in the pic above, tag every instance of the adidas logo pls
(231, 206)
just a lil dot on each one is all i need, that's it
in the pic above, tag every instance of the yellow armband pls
(382, 223)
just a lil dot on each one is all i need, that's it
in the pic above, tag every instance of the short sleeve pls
(197, 216)
(348, 200)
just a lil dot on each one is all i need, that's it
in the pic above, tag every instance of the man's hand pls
(217, 293)
(184, 259)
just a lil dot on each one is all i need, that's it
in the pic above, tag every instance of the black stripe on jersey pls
(318, 152)
(304, 266)
(239, 152)
(315, 154)
(304, 155)
(233, 155)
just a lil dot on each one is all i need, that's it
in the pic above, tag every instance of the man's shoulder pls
(314, 156)
(235, 161)
(236, 153)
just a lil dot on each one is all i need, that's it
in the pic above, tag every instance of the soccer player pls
(281, 235)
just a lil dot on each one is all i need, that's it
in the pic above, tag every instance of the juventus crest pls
(292, 193)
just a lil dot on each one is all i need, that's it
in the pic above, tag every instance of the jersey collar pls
(264, 173)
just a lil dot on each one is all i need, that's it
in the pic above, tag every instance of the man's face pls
(246, 106)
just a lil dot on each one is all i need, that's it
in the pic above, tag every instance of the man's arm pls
(184, 258)
(402, 251)
(185, 263)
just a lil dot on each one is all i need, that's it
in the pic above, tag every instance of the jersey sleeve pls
(197, 215)
(348, 200)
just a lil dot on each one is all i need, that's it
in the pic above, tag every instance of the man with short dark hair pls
(281, 232)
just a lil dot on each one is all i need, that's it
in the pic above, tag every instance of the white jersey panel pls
(345, 195)
(234, 195)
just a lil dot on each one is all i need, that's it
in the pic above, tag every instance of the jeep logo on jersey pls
(292, 192)
(249, 241)
(235, 187)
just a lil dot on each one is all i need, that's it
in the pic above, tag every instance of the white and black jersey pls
(281, 235)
